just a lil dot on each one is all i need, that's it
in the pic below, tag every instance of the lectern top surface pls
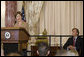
(14, 28)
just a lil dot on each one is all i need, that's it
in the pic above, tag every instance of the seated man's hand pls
(71, 47)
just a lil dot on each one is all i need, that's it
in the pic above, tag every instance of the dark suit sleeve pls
(67, 43)
(79, 44)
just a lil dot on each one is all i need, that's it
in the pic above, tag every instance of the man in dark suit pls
(74, 42)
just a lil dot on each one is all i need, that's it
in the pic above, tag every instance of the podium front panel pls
(13, 38)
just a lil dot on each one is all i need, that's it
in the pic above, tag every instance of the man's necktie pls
(74, 42)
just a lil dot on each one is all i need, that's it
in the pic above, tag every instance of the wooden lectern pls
(14, 35)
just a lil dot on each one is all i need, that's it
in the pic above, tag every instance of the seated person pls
(74, 42)
(43, 49)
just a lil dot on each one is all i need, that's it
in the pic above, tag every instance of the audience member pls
(43, 49)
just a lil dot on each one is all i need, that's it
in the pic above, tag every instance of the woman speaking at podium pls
(20, 22)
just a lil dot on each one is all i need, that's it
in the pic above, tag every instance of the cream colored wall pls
(3, 13)
(60, 17)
